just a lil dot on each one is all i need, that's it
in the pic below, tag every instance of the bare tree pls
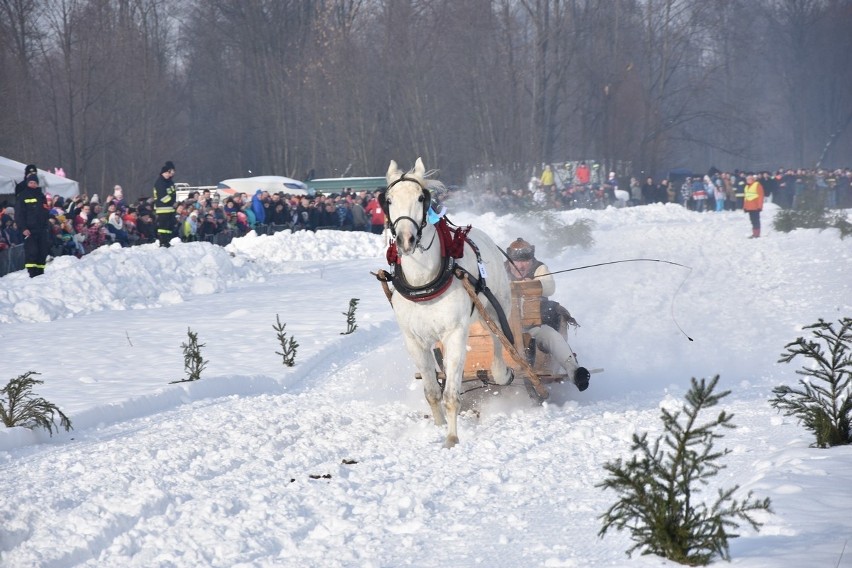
(110, 89)
(17, 37)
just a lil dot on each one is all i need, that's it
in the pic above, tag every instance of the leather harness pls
(452, 242)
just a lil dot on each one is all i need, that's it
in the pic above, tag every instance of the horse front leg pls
(425, 363)
(502, 374)
(455, 353)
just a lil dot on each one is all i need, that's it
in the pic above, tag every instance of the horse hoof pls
(451, 441)
(581, 378)
(510, 376)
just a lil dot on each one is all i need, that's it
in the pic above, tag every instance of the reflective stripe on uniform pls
(33, 265)
(165, 231)
(31, 200)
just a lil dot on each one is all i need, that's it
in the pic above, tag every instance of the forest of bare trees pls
(111, 89)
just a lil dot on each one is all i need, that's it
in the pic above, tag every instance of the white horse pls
(445, 317)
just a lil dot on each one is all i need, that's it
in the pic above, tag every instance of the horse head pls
(406, 203)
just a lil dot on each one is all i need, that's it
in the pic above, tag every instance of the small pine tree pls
(577, 233)
(657, 487)
(824, 402)
(288, 345)
(193, 362)
(350, 317)
(811, 213)
(841, 222)
(21, 408)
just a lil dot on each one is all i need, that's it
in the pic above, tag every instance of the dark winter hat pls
(520, 250)
(30, 169)
(32, 177)
(167, 167)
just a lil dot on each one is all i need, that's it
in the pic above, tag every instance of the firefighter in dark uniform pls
(164, 204)
(31, 215)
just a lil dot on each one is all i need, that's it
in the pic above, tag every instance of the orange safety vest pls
(753, 200)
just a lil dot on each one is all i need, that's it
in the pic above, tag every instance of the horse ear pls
(393, 172)
(419, 169)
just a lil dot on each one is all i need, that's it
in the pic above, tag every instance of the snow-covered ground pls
(333, 462)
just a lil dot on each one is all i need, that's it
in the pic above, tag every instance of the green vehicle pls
(337, 185)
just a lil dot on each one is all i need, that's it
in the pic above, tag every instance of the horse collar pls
(442, 281)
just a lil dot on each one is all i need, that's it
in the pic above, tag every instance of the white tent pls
(11, 172)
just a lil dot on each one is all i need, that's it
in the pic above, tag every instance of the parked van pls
(272, 184)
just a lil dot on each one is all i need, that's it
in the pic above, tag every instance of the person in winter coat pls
(189, 230)
(523, 265)
(753, 203)
(164, 203)
(377, 216)
(96, 235)
(359, 216)
(699, 194)
(257, 207)
(583, 174)
(719, 193)
(547, 179)
(280, 214)
(31, 215)
(650, 193)
(208, 229)
(115, 226)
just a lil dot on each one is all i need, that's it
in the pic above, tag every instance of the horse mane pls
(435, 187)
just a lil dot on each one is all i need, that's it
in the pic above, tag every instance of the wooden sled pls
(534, 367)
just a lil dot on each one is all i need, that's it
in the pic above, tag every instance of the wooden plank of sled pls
(525, 367)
(525, 311)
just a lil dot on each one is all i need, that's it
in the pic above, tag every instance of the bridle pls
(425, 198)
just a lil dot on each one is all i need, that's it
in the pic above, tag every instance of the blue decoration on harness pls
(432, 217)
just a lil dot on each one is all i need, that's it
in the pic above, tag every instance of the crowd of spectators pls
(714, 191)
(82, 224)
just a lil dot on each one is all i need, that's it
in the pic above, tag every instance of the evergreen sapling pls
(288, 345)
(824, 400)
(22, 408)
(658, 487)
(350, 317)
(193, 362)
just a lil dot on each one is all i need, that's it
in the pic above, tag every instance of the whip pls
(671, 308)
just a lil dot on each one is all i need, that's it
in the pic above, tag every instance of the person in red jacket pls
(753, 203)
(377, 216)
(583, 174)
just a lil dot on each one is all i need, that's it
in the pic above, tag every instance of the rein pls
(671, 308)
(613, 262)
